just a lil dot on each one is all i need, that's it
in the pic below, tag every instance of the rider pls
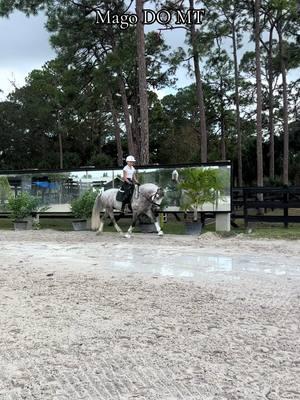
(129, 178)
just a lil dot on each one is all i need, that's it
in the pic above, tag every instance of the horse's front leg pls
(112, 217)
(154, 221)
(132, 226)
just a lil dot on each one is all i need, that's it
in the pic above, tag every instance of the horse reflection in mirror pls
(146, 200)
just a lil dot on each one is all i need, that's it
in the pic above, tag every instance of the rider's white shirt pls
(130, 171)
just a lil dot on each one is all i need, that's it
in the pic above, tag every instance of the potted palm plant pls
(21, 208)
(199, 186)
(82, 208)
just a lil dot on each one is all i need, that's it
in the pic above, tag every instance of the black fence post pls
(202, 216)
(286, 210)
(245, 208)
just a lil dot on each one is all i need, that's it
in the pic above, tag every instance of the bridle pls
(150, 198)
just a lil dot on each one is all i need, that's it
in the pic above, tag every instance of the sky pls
(24, 46)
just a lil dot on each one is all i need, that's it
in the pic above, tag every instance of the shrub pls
(201, 186)
(22, 205)
(83, 206)
(5, 191)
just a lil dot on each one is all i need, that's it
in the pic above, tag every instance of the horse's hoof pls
(160, 233)
(127, 236)
(98, 233)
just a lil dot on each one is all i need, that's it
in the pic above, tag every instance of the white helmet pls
(130, 158)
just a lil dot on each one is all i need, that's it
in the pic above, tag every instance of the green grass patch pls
(174, 227)
(6, 224)
(268, 230)
(257, 230)
(58, 224)
(275, 232)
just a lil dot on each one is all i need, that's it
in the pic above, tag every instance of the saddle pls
(124, 194)
(121, 194)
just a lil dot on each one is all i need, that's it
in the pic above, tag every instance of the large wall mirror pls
(211, 183)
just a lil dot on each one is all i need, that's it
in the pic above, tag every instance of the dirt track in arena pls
(87, 317)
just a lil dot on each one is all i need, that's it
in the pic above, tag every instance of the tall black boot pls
(123, 207)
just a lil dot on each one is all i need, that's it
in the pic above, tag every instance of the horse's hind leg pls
(132, 226)
(113, 220)
(102, 220)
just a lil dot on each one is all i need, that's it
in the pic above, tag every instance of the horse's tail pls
(95, 221)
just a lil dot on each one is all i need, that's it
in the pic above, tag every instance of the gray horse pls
(146, 200)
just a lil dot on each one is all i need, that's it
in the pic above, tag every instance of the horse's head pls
(157, 199)
(150, 196)
(159, 194)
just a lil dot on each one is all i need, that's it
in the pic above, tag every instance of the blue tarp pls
(46, 185)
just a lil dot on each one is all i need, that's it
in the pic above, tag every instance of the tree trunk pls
(126, 116)
(60, 141)
(285, 108)
(269, 49)
(135, 130)
(223, 142)
(199, 91)
(237, 109)
(259, 151)
(144, 122)
(271, 106)
(116, 128)
(222, 121)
